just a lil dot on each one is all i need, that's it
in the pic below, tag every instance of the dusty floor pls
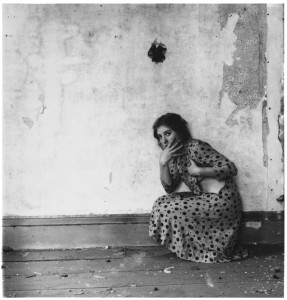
(139, 272)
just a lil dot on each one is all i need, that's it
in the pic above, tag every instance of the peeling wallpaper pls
(81, 94)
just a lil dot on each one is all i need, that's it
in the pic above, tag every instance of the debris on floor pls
(80, 292)
(277, 270)
(168, 270)
(88, 275)
(209, 281)
(37, 273)
(263, 291)
(30, 276)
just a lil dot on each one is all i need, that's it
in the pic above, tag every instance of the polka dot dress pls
(198, 226)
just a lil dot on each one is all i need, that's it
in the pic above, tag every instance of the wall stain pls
(29, 122)
(43, 109)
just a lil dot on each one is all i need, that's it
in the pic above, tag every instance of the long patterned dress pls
(198, 226)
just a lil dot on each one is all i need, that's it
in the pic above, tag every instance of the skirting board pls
(117, 230)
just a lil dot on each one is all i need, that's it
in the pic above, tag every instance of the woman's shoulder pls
(194, 143)
(197, 146)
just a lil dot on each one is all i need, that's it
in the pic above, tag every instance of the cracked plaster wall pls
(81, 95)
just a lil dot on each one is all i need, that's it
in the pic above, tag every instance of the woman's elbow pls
(234, 170)
(231, 170)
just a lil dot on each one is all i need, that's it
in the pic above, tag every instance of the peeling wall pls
(81, 94)
(244, 80)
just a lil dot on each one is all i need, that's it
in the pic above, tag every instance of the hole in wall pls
(157, 52)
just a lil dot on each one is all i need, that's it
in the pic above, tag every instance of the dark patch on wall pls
(157, 52)
(265, 132)
(29, 122)
(245, 79)
(281, 126)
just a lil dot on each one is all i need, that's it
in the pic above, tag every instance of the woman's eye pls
(168, 133)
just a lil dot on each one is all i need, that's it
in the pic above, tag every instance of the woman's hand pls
(193, 169)
(169, 152)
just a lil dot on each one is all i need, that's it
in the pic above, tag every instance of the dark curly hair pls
(176, 123)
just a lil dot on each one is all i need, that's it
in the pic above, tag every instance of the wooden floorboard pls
(116, 252)
(139, 272)
(69, 254)
(132, 263)
(257, 289)
(113, 278)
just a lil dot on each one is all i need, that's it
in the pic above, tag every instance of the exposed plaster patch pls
(281, 121)
(245, 80)
(28, 122)
(240, 80)
(265, 129)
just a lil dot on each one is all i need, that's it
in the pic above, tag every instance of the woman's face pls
(166, 135)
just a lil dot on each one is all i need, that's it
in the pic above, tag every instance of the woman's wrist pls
(163, 163)
(205, 172)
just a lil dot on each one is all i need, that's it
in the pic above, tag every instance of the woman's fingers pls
(171, 145)
(174, 150)
(175, 145)
(176, 154)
